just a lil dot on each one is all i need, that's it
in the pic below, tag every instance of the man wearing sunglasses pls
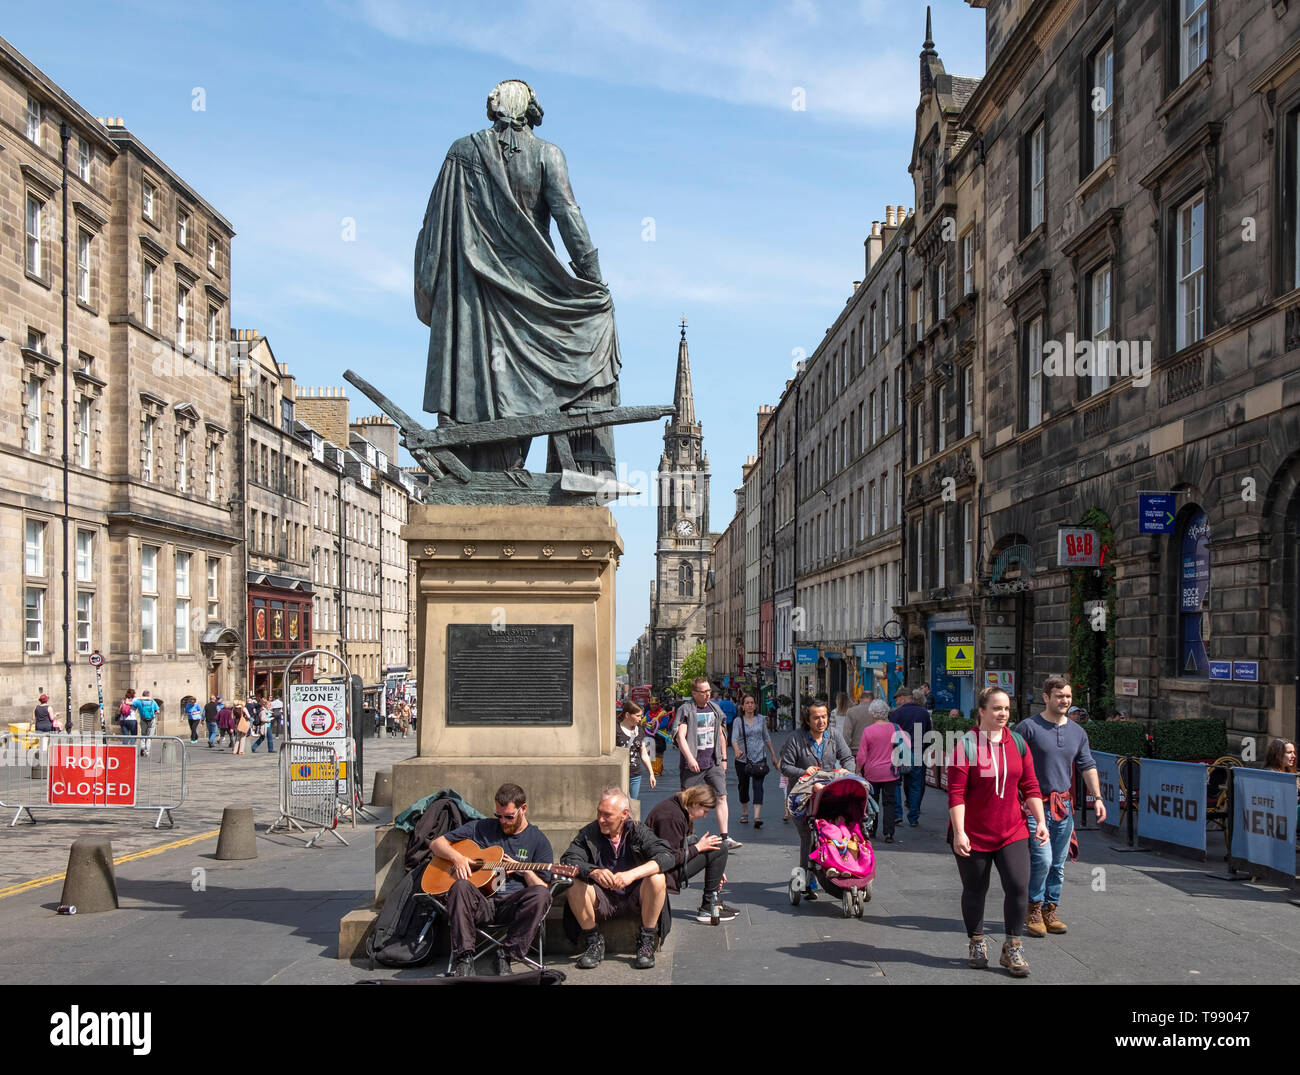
(522, 901)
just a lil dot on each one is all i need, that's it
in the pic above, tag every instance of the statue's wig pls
(514, 100)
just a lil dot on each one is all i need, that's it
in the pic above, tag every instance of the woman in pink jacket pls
(883, 748)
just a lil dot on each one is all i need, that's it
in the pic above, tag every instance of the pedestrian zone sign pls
(318, 712)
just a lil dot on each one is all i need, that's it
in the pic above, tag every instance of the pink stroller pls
(841, 857)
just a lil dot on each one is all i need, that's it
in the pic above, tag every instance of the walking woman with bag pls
(241, 727)
(986, 785)
(749, 736)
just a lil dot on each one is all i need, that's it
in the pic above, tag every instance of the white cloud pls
(852, 63)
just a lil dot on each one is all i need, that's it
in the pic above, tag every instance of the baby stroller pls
(841, 857)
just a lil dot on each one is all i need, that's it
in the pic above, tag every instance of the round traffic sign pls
(96, 659)
(318, 720)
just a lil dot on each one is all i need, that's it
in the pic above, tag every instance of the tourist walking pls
(986, 783)
(753, 746)
(1059, 746)
(240, 727)
(226, 725)
(702, 740)
(264, 726)
(194, 714)
(883, 743)
(212, 717)
(126, 717)
(914, 719)
(810, 750)
(630, 735)
(840, 715)
(147, 709)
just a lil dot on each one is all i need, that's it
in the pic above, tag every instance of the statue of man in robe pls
(512, 331)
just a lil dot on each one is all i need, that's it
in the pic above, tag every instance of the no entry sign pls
(318, 712)
(92, 775)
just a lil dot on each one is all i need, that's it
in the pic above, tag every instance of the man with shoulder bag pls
(700, 733)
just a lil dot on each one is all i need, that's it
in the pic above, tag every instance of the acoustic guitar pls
(488, 871)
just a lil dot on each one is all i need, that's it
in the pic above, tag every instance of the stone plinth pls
(515, 569)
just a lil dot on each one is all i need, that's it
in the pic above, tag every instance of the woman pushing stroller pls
(810, 750)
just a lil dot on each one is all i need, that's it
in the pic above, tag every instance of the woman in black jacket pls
(673, 821)
(810, 750)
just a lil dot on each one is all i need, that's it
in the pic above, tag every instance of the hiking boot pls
(464, 967)
(1014, 959)
(595, 950)
(645, 949)
(1034, 920)
(1053, 924)
(979, 952)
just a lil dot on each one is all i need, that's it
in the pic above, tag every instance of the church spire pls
(683, 396)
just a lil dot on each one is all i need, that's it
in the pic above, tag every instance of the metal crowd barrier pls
(310, 791)
(60, 771)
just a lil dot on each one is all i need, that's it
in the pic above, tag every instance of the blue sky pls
(319, 113)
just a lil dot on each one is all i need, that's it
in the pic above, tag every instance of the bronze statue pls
(518, 345)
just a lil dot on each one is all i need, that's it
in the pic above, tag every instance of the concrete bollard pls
(383, 792)
(89, 884)
(238, 839)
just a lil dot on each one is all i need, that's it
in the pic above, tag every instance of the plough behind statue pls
(434, 450)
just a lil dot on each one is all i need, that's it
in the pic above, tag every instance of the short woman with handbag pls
(631, 736)
(878, 764)
(242, 726)
(126, 717)
(749, 736)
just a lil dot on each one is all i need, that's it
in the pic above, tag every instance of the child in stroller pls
(841, 859)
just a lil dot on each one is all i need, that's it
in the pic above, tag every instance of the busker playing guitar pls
(521, 902)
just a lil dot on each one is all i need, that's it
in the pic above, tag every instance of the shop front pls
(952, 663)
(279, 628)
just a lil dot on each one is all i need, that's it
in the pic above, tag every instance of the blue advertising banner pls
(880, 652)
(1220, 669)
(1171, 803)
(1156, 512)
(1264, 815)
(1108, 775)
(805, 655)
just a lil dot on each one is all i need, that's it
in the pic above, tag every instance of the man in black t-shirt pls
(522, 901)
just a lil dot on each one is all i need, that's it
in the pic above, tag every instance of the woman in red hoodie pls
(987, 825)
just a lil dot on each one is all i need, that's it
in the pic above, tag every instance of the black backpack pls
(406, 929)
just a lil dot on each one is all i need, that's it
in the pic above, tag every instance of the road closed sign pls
(318, 712)
(89, 774)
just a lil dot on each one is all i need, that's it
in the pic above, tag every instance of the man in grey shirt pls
(1059, 746)
(855, 723)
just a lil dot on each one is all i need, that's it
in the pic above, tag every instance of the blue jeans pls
(213, 731)
(634, 786)
(913, 778)
(1047, 861)
(266, 734)
(129, 727)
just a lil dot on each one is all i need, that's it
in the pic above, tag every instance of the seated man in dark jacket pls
(620, 864)
(673, 821)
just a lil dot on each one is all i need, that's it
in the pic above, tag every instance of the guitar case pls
(407, 927)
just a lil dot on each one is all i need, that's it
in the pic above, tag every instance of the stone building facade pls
(1144, 156)
(941, 379)
(848, 445)
(281, 593)
(154, 522)
(725, 606)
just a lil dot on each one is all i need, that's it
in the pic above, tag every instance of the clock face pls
(684, 528)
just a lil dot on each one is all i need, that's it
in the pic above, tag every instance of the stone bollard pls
(383, 792)
(89, 884)
(238, 839)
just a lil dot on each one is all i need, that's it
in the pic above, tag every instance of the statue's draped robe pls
(512, 331)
